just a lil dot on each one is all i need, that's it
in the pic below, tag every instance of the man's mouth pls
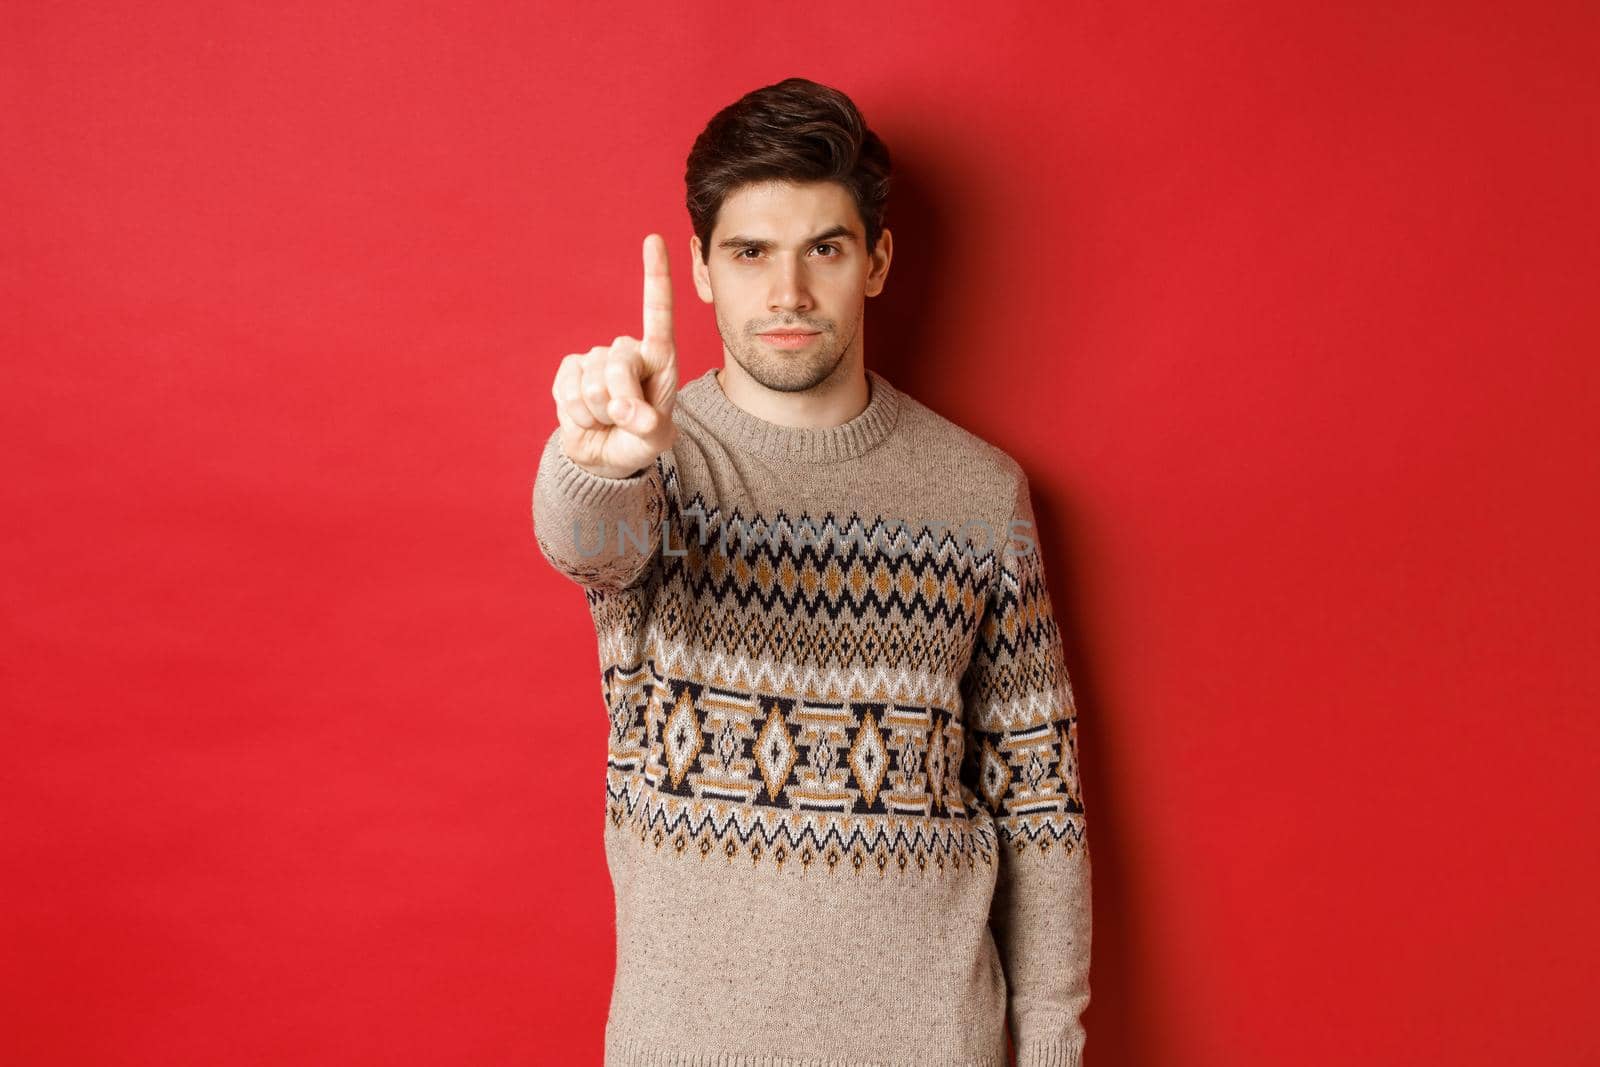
(788, 338)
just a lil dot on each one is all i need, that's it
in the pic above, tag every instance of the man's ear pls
(702, 272)
(878, 271)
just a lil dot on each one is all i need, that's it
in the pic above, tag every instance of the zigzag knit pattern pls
(835, 774)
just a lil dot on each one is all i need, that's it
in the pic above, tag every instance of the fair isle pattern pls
(864, 787)
(1025, 720)
(804, 606)
(791, 698)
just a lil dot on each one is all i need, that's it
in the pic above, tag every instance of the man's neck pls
(832, 402)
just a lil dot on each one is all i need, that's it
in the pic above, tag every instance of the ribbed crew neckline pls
(705, 399)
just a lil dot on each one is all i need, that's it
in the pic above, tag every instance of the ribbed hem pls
(1058, 1053)
(637, 1054)
(706, 401)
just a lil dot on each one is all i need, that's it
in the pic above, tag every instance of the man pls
(844, 823)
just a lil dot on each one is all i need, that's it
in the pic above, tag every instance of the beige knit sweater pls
(843, 817)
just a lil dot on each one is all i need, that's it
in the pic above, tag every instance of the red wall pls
(1289, 313)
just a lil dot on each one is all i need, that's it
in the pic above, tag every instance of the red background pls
(1289, 314)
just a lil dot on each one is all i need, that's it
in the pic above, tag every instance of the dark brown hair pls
(794, 130)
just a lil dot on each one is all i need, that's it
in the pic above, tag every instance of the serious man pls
(844, 823)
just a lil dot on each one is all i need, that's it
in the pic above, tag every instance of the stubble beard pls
(787, 372)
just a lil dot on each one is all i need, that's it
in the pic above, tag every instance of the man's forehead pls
(784, 209)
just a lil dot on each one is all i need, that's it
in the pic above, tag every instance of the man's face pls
(790, 257)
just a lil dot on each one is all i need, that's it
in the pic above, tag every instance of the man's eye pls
(834, 251)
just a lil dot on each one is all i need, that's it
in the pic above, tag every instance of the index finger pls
(658, 345)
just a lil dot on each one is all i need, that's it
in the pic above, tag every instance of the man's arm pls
(1022, 761)
(600, 532)
(598, 497)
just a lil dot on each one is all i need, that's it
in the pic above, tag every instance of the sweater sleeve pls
(600, 532)
(1021, 757)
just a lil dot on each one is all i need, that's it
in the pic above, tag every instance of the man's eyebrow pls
(738, 241)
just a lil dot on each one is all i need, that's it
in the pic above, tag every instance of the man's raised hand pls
(615, 401)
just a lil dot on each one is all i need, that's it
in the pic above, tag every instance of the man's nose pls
(790, 287)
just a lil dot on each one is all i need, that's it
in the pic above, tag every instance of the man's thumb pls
(635, 416)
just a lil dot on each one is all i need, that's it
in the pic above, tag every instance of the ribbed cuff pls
(585, 487)
(1057, 1053)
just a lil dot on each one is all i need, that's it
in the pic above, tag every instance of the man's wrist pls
(618, 476)
(612, 473)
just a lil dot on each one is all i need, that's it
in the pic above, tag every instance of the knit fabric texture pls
(843, 818)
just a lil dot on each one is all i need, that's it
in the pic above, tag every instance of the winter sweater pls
(843, 819)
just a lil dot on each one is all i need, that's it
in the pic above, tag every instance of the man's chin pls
(789, 372)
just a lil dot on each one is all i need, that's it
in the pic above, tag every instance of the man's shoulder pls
(975, 455)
